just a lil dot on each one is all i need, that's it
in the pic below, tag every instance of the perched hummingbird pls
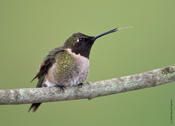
(67, 65)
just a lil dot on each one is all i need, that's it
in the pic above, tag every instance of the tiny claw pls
(80, 85)
(62, 88)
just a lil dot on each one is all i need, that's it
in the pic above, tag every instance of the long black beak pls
(111, 31)
(108, 32)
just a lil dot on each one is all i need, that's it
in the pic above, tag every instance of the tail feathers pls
(34, 107)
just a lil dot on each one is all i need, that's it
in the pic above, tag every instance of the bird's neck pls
(78, 54)
(83, 52)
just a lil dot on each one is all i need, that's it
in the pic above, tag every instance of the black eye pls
(81, 39)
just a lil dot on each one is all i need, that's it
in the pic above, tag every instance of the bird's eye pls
(80, 39)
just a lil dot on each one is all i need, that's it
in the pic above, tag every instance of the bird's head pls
(80, 43)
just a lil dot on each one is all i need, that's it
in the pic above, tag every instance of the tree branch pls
(91, 90)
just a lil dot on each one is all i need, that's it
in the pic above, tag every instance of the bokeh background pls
(30, 28)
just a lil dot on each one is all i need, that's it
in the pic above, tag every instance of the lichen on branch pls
(91, 90)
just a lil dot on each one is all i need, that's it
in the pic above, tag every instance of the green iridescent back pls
(64, 63)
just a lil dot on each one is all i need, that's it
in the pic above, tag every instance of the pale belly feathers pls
(74, 76)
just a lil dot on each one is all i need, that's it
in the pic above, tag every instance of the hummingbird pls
(67, 65)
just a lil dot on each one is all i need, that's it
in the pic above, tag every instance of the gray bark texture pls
(91, 90)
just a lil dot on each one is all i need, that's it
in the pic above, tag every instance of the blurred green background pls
(30, 28)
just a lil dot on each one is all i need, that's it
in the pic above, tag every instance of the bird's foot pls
(62, 88)
(80, 85)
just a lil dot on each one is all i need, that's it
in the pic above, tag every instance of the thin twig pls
(91, 90)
